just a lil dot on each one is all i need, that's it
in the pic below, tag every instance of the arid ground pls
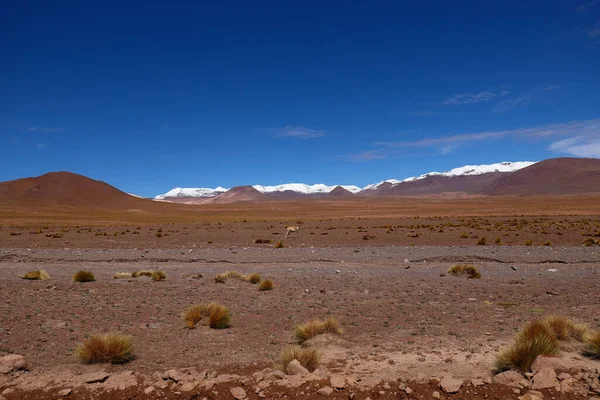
(378, 266)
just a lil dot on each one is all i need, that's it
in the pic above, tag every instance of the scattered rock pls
(477, 382)
(532, 395)
(408, 390)
(149, 389)
(563, 375)
(188, 386)
(12, 362)
(436, 395)
(552, 362)
(450, 385)
(238, 393)
(510, 378)
(544, 379)
(338, 381)
(294, 368)
(121, 381)
(95, 377)
(325, 391)
(65, 392)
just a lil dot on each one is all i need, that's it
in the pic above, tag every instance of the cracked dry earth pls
(406, 322)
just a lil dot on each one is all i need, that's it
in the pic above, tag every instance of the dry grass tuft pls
(534, 340)
(254, 278)
(592, 345)
(142, 272)
(309, 358)
(589, 242)
(529, 242)
(113, 348)
(122, 275)
(218, 315)
(464, 235)
(482, 241)
(316, 327)
(564, 328)
(84, 276)
(40, 275)
(465, 269)
(158, 276)
(193, 315)
(261, 241)
(267, 284)
(279, 245)
(548, 244)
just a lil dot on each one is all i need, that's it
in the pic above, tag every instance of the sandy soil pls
(402, 315)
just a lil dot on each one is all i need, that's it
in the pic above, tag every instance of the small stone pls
(510, 378)
(238, 393)
(563, 375)
(325, 391)
(95, 377)
(337, 381)
(337, 271)
(294, 368)
(187, 387)
(477, 382)
(65, 392)
(149, 389)
(12, 362)
(436, 395)
(532, 395)
(408, 390)
(544, 379)
(386, 386)
(450, 385)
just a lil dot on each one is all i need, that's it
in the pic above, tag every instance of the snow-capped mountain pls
(304, 188)
(319, 189)
(191, 192)
(461, 171)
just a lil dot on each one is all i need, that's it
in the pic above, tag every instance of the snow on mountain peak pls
(304, 188)
(191, 192)
(505, 166)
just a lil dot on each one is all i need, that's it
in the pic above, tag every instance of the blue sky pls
(150, 95)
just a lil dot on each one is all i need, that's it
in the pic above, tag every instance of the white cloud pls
(41, 146)
(580, 146)
(581, 138)
(298, 132)
(509, 104)
(469, 98)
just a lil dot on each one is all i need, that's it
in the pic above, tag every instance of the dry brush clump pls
(563, 328)
(309, 358)
(40, 275)
(254, 278)
(84, 276)
(279, 245)
(113, 348)
(308, 330)
(592, 344)
(261, 241)
(266, 284)
(158, 276)
(218, 315)
(141, 272)
(534, 340)
(122, 275)
(465, 269)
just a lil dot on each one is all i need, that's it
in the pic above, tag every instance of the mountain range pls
(557, 176)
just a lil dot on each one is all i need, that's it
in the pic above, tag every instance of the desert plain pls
(379, 266)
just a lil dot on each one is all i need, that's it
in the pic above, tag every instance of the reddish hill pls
(553, 176)
(238, 193)
(470, 184)
(65, 188)
(339, 191)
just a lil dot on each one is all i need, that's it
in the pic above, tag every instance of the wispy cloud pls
(297, 132)
(574, 138)
(551, 87)
(41, 146)
(469, 98)
(581, 146)
(509, 104)
(586, 6)
(45, 130)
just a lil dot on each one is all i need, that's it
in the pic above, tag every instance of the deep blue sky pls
(152, 95)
